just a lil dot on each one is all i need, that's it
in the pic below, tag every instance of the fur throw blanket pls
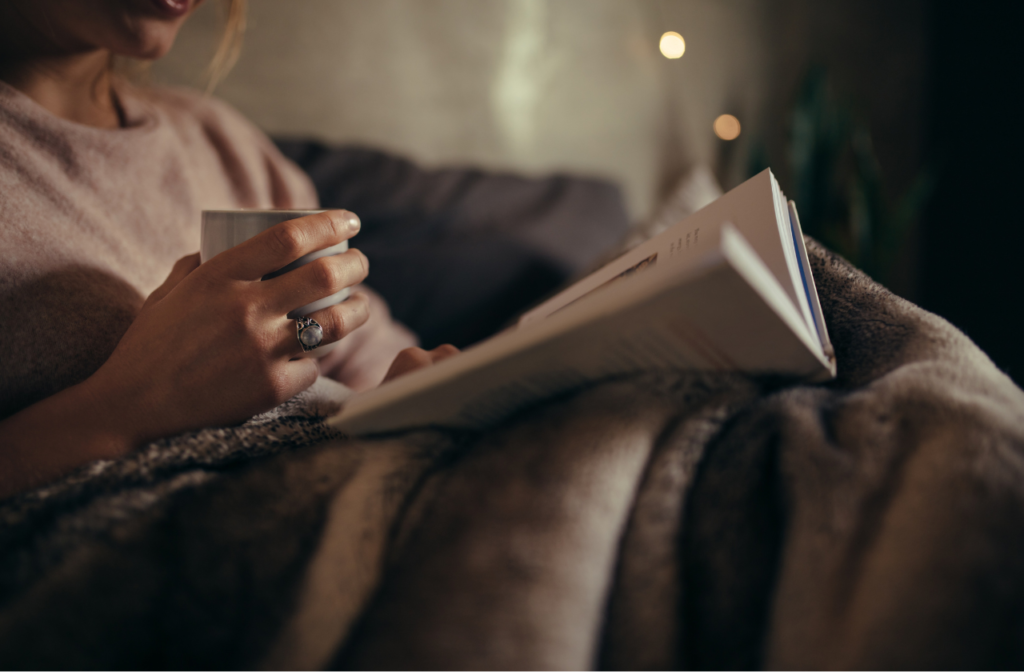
(673, 520)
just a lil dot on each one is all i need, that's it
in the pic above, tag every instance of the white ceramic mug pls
(223, 229)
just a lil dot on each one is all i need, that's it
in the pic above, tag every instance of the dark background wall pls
(972, 272)
(875, 56)
(939, 85)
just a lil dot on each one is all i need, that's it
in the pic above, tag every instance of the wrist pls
(60, 433)
(105, 415)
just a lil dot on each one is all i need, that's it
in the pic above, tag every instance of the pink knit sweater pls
(92, 220)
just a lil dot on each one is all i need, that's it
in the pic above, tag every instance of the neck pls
(69, 79)
(74, 87)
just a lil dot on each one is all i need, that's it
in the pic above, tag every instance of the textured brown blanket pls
(666, 521)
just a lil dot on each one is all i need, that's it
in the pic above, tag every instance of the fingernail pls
(353, 222)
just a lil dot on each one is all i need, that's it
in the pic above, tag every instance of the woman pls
(101, 187)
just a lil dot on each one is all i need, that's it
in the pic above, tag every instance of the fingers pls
(299, 375)
(442, 352)
(411, 359)
(408, 360)
(283, 243)
(336, 322)
(316, 280)
(182, 268)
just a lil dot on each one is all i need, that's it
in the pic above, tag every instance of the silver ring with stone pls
(309, 333)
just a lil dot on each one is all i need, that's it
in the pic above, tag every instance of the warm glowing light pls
(727, 127)
(672, 45)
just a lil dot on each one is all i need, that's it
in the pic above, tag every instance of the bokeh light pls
(727, 127)
(672, 45)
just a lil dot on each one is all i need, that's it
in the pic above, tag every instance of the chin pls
(148, 39)
(149, 50)
(148, 28)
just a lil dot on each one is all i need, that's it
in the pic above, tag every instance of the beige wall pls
(543, 85)
(531, 85)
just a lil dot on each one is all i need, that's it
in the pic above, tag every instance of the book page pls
(751, 208)
(661, 254)
(810, 287)
(787, 235)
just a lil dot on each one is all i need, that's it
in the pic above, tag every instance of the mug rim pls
(268, 210)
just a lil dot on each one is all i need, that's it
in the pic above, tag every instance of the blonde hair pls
(230, 46)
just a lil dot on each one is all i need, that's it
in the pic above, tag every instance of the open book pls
(727, 289)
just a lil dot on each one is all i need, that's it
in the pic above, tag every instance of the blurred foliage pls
(837, 183)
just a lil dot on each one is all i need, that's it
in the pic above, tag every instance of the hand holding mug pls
(214, 344)
(224, 229)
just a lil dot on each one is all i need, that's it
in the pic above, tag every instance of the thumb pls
(182, 267)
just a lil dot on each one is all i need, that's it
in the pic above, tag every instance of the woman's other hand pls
(363, 358)
(410, 359)
(211, 346)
